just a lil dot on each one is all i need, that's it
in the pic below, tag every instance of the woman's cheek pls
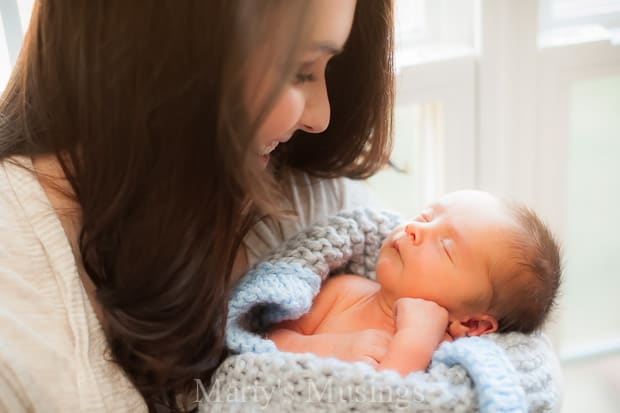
(286, 113)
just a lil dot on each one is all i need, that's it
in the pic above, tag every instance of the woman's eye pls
(303, 77)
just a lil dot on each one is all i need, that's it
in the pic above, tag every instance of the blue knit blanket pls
(493, 373)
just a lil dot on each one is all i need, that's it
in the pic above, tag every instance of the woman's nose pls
(415, 231)
(316, 114)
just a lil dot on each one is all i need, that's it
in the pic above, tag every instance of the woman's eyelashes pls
(305, 72)
(304, 77)
(310, 69)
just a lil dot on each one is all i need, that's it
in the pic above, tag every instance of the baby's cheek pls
(381, 264)
(388, 270)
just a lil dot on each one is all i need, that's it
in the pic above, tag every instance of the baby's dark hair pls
(525, 286)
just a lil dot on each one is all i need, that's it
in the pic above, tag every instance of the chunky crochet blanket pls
(497, 373)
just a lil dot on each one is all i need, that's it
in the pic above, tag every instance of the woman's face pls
(303, 103)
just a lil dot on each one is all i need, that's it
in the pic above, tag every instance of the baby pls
(467, 265)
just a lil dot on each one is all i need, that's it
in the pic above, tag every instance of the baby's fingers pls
(369, 360)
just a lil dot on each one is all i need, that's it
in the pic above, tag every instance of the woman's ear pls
(470, 326)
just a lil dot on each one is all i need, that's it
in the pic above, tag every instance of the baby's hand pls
(425, 317)
(369, 346)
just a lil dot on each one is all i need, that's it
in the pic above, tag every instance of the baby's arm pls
(420, 327)
(298, 336)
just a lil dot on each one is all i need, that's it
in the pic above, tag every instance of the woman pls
(150, 152)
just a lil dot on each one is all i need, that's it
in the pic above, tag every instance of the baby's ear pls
(481, 324)
(475, 325)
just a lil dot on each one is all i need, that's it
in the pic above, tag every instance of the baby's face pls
(446, 252)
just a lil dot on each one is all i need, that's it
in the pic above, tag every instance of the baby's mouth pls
(395, 245)
(397, 237)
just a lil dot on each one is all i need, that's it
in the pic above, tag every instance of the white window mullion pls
(507, 104)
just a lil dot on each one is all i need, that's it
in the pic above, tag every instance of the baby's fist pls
(419, 314)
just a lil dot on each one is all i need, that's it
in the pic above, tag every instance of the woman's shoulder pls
(14, 228)
(28, 247)
(49, 332)
(17, 184)
(322, 195)
(18, 239)
(33, 325)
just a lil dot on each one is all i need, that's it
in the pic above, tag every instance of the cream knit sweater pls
(52, 347)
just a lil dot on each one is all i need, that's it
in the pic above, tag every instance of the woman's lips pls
(267, 149)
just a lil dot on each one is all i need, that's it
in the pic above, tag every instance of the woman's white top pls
(52, 346)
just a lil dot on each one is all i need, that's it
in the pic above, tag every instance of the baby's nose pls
(415, 232)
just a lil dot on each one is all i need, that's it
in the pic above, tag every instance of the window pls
(528, 111)
(436, 47)
(577, 21)
(431, 30)
(15, 15)
(418, 158)
(589, 320)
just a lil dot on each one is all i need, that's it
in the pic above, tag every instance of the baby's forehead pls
(485, 209)
(467, 198)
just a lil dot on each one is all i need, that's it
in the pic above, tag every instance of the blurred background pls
(520, 98)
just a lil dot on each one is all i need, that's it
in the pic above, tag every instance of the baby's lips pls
(395, 245)
(397, 238)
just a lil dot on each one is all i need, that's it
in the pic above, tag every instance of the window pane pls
(5, 61)
(410, 19)
(592, 245)
(15, 15)
(564, 22)
(25, 9)
(429, 30)
(570, 9)
(418, 153)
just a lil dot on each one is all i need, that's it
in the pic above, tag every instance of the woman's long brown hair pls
(142, 104)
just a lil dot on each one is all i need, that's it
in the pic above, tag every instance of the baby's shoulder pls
(351, 284)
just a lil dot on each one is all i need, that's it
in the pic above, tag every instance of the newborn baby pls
(467, 265)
